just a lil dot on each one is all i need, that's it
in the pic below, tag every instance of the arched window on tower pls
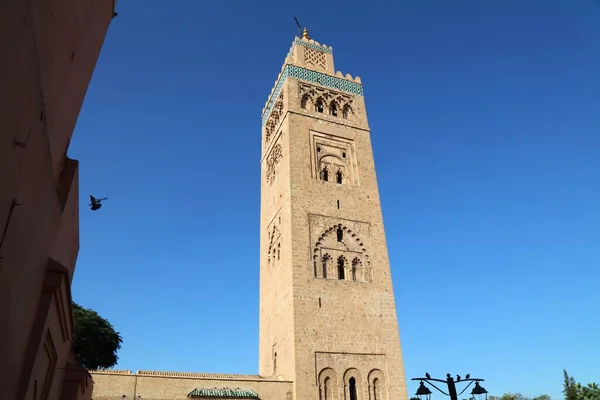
(376, 390)
(333, 109)
(352, 389)
(326, 388)
(341, 270)
(340, 234)
(356, 269)
(319, 106)
(324, 262)
(304, 101)
(345, 112)
(325, 174)
(338, 176)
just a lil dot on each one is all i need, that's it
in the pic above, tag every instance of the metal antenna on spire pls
(299, 27)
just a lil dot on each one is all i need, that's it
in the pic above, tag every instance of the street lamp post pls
(423, 392)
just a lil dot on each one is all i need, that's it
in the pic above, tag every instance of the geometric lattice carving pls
(316, 58)
(319, 78)
(273, 119)
(272, 161)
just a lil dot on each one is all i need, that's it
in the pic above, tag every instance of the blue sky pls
(485, 128)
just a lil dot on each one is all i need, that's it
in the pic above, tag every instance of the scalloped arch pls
(347, 231)
(345, 259)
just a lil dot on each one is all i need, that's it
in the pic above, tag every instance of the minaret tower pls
(327, 311)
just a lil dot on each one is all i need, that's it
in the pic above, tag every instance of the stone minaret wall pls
(327, 311)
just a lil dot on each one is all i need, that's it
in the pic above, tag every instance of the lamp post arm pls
(466, 387)
(429, 379)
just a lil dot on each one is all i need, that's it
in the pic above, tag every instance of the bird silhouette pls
(468, 376)
(457, 378)
(427, 375)
(96, 202)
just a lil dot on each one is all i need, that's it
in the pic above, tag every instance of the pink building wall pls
(48, 52)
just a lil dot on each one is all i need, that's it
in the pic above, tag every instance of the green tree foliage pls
(96, 341)
(513, 396)
(569, 387)
(519, 396)
(589, 392)
(577, 391)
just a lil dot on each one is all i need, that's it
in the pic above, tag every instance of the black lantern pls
(478, 392)
(423, 392)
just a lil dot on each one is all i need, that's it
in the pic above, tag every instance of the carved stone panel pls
(340, 249)
(273, 159)
(273, 119)
(334, 372)
(326, 101)
(333, 159)
(274, 240)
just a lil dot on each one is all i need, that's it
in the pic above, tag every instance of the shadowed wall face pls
(47, 56)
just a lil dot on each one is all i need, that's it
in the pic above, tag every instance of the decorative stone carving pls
(275, 155)
(340, 240)
(319, 78)
(315, 58)
(273, 119)
(274, 235)
(331, 100)
(333, 159)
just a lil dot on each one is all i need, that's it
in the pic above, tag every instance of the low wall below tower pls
(157, 385)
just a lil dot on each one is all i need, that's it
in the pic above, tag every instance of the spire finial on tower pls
(305, 34)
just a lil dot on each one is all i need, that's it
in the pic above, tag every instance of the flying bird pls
(427, 375)
(96, 202)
